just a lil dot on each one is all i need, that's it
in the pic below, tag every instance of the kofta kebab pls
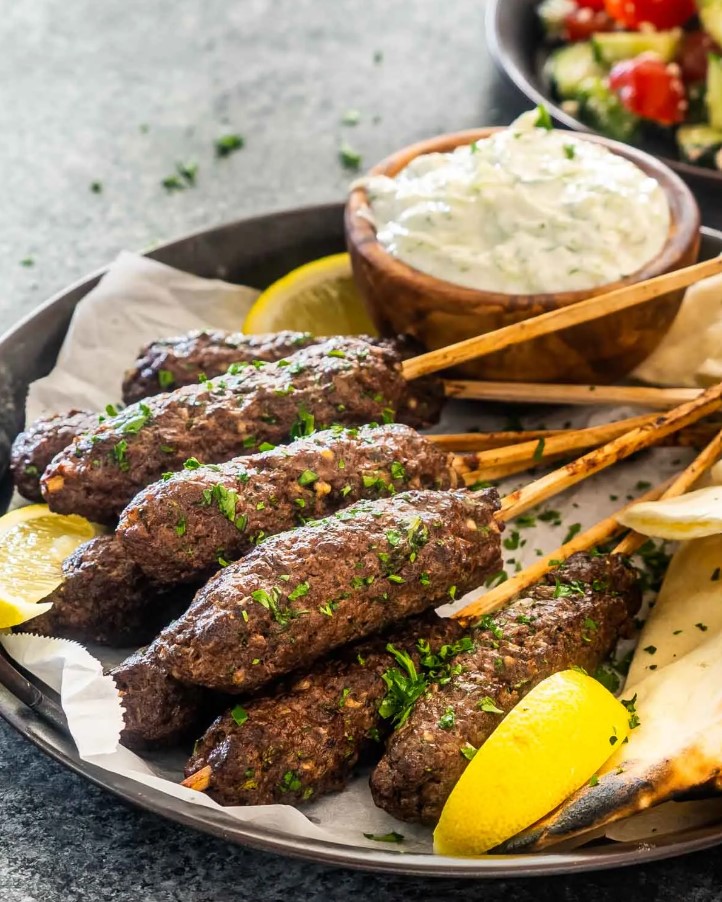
(386, 536)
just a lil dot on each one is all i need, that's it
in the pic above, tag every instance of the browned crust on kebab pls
(423, 760)
(303, 593)
(178, 529)
(296, 745)
(343, 381)
(158, 711)
(106, 598)
(170, 363)
(34, 448)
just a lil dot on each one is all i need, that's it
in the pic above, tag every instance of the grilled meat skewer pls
(34, 448)
(572, 617)
(305, 740)
(303, 593)
(316, 729)
(162, 366)
(106, 598)
(344, 381)
(179, 528)
(170, 363)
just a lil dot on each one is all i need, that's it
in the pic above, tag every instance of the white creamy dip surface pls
(527, 210)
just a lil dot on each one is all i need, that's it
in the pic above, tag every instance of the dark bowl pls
(514, 36)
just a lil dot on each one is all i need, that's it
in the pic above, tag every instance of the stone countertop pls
(118, 93)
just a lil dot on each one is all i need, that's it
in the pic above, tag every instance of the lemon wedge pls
(692, 516)
(320, 297)
(547, 747)
(34, 542)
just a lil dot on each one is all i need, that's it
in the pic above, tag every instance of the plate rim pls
(60, 747)
(500, 56)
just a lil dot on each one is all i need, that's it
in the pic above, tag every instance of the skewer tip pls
(200, 780)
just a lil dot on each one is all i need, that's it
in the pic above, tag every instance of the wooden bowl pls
(401, 299)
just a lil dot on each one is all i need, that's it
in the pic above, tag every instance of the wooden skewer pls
(561, 318)
(681, 484)
(200, 780)
(695, 436)
(602, 531)
(503, 594)
(546, 393)
(618, 449)
(540, 450)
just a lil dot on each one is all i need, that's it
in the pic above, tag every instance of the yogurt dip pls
(528, 210)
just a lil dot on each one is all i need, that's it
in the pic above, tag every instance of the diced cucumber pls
(552, 14)
(613, 46)
(700, 144)
(714, 90)
(603, 110)
(710, 12)
(569, 66)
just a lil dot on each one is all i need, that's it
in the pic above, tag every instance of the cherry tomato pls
(693, 54)
(650, 89)
(581, 24)
(659, 13)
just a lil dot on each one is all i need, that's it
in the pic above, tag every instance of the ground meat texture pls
(178, 529)
(303, 593)
(158, 711)
(302, 742)
(573, 617)
(106, 598)
(33, 449)
(344, 381)
(170, 363)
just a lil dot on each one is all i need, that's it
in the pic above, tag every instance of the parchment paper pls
(139, 300)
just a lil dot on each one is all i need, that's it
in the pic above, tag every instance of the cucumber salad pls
(636, 68)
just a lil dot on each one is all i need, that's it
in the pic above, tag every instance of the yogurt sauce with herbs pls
(527, 210)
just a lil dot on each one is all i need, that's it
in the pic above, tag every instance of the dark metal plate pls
(253, 252)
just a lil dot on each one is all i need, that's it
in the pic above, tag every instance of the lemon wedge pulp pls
(319, 297)
(33, 545)
(546, 748)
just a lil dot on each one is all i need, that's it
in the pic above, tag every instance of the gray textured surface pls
(77, 80)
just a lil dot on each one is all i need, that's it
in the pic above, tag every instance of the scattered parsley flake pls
(350, 158)
(228, 144)
(393, 836)
(239, 715)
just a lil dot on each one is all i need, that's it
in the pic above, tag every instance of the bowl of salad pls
(646, 72)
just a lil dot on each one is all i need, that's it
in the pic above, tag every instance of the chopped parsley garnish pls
(239, 715)
(385, 837)
(650, 649)
(570, 151)
(608, 678)
(488, 705)
(496, 579)
(573, 530)
(270, 601)
(425, 579)
(468, 751)
(192, 464)
(398, 470)
(132, 421)
(593, 780)
(350, 158)
(27, 261)
(702, 627)
(228, 144)
(305, 424)
(631, 706)
(119, 453)
(300, 590)
(335, 352)
(180, 527)
(224, 499)
(351, 117)
(543, 119)
(290, 782)
(487, 622)
(447, 721)
(308, 477)
(539, 450)
(344, 695)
